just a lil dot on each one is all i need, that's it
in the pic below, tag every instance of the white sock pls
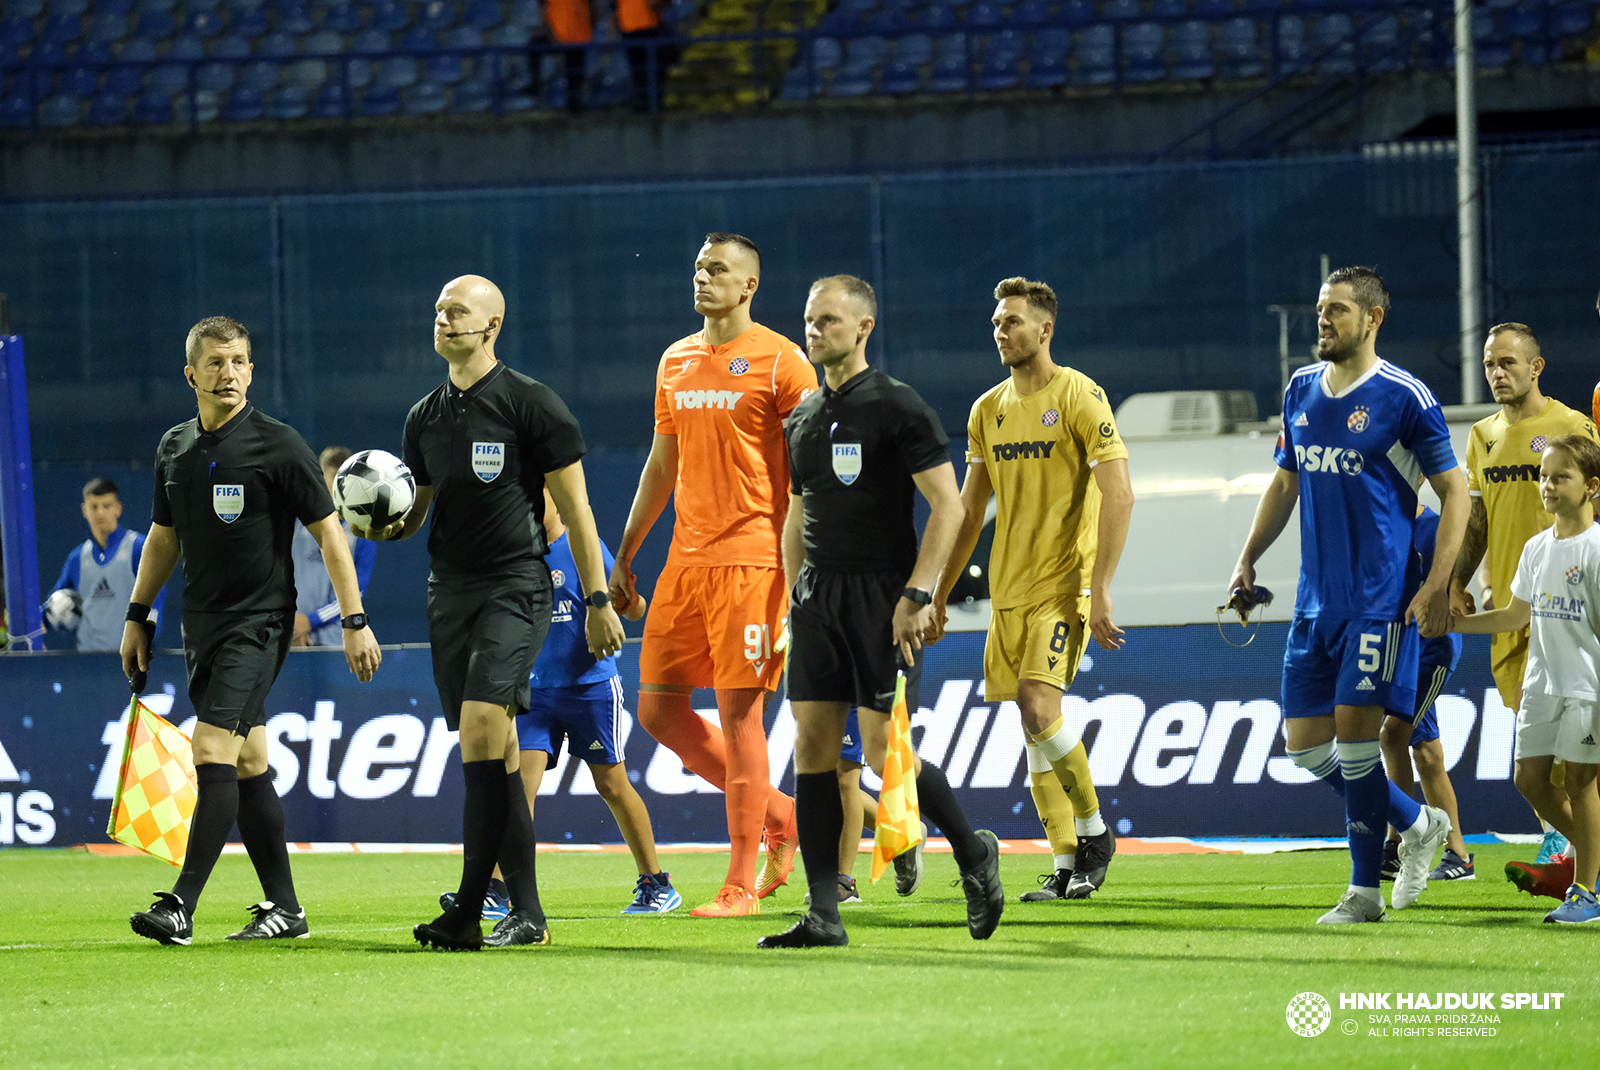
(1037, 763)
(1093, 825)
(1372, 895)
(1418, 827)
(1057, 745)
(1066, 861)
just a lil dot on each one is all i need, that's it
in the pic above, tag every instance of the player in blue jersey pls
(102, 569)
(316, 617)
(1359, 435)
(578, 700)
(1413, 735)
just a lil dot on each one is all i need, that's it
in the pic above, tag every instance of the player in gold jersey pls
(1503, 453)
(1044, 443)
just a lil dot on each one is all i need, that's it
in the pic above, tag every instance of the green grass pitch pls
(1181, 961)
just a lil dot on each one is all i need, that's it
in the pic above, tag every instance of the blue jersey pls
(1360, 457)
(1445, 649)
(564, 660)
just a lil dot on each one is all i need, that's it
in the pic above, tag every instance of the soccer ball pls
(373, 489)
(63, 609)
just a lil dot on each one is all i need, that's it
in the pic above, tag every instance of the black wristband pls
(916, 595)
(355, 622)
(598, 600)
(138, 613)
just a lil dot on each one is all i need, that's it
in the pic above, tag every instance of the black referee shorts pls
(841, 642)
(233, 659)
(485, 636)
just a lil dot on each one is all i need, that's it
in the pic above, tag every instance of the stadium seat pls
(15, 31)
(202, 25)
(890, 19)
(107, 109)
(1332, 41)
(1076, 13)
(16, 111)
(395, 72)
(525, 13)
(330, 102)
(325, 42)
(1293, 54)
(826, 54)
(854, 77)
(343, 18)
(62, 30)
(229, 46)
(156, 25)
(1214, 9)
(1491, 48)
(798, 84)
(900, 78)
(473, 96)
(244, 106)
(1047, 64)
(1169, 9)
(379, 100)
(510, 36)
(984, 16)
(1096, 56)
(445, 69)
(389, 15)
(186, 48)
(952, 71)
(936, 17)
(372, 42)
(207, 106)
(482, 15)
(1031, 13)
(1571, 20)
(1121, 9)
(306, 74)
(1240, 48)
(1141, 52)
(1000, 59)
(258, 77)
(251, 23)
(156, 5)
(1380, 44)
(290, 102)
(419, 39)
(127, 80)
(437, 15)
(296, 19)
(214, 77)
(62, 109)
(25, 9)
(1524, 20)
(153, 109)
(108, 27)
(914, 48)
(72, 8)
(276, 45)
(841, 20)
(1191, 49)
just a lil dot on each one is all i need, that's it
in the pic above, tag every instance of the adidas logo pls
(1588, 740)
(103, 590)
(596, 745)
(1365, 684)
(1301, 421)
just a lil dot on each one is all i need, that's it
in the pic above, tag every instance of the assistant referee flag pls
(155, 795)
(899, 824)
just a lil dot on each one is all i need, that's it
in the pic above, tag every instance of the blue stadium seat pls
(153, 109)
(419, 39)
(370, 42)
(157, 5)
(952, 71)
(1047, 59)
(305, 74)
(1191, 51)
(258, 77)
(444, 69)
(156, 25)
(900, 78)
(894, 17)
(1214, 9)
(853, 79)
(108, 26)
(390, 15)
(186, 48)
(214, 77)
(1380, 44)
(80, 83)
(1571, 20)
(1332, 39)
(107, 109)
(25, 9)
(1263, 7)
(936, 17)
(291, 102)
(1000, 59)
(984, 16)
(396, 72)
(511, 36)
(74, 8)
(251, 23)
(92, 52)
(138, 49)
(276, 45)
(826, 53)
(1492, 49)
(378, 101)
(840, 20)
(229, 46)
(330, 102)
(62, 29)
(325, 42)
(16, 111)
(1076, 13)
(1121, 9)
(191, 5)
(342, 18)
(437, 15)
(481, 15)
(9, 60)
(1031, 13)
(15, 31)
(914, 48)
(207, 107)
(127, 80)
(525, 13)
(798, 84)
(244, 106)
(60, 110)
(203, 25)
(1525, 20)
(296, 19)
(1096, 56)
(1141, 51)
(473, 96)
(1169, 9)
(169, 78)
(1240, 48)
(1294, 54)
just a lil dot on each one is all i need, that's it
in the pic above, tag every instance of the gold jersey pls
(1503, 470)
(1040, 452)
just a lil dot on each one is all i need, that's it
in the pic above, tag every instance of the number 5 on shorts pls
(1371, 652)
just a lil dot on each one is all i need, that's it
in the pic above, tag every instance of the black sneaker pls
(1094, 858)
(809, 931)
(1452, 867)
(986, 899)
(1051, 886)
(908, 866)
(1391, 860)
(272, 922)
(166, 922)
(518, 929)
(450, 931)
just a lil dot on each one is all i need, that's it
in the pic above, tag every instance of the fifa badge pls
(227, 500)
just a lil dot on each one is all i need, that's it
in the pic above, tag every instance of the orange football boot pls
(732, 902)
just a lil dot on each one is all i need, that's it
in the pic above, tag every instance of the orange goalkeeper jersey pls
(726, 405)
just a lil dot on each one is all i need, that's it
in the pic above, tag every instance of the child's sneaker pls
(1452, 867)
(654, 895)
(1391, 860)
(1580, 907)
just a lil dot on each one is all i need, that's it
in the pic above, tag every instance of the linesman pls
(229, 486)
(862, 600)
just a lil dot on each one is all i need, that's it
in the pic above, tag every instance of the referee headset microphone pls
(461, 334)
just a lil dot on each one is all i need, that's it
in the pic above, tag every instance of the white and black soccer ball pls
(63, 610)
(373, 489)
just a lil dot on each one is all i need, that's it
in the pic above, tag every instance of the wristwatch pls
(599, 600)
(355, 622)
(916, 595)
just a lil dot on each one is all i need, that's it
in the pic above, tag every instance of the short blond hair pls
(217, 328)
(1521, 330)
(1039, 295)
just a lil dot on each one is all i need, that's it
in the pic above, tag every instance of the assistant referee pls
(482, 447)
(858, 452)
(229, 486)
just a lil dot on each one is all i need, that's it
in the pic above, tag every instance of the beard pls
(1336, 351)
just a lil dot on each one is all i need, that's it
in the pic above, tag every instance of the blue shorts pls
(1330, 663)
(851, 751)
(589, 715)
(1424, 720)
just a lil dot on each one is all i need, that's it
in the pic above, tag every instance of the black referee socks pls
(939, 804)
(261, 829)
(820, 815)
(216, 804)
(483, 829)
(517, 850)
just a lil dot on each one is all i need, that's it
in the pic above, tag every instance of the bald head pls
(470, 308)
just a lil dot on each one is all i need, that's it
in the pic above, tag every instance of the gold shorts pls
(1508, 660)
(1043, 641)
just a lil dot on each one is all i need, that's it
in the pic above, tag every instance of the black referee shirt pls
(232, 496)
(852, 453)
(484, 451)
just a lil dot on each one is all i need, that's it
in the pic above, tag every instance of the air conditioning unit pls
(1185, 413)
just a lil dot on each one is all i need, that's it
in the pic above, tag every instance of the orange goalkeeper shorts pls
(715, 627)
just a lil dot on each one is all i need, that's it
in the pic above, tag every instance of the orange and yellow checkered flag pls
(155, 787)
(899, 823)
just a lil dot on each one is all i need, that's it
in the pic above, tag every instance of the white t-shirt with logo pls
(1560, 581)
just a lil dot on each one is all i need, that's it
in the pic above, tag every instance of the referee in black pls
(858, 450)
(482, 447)
(230, 485)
